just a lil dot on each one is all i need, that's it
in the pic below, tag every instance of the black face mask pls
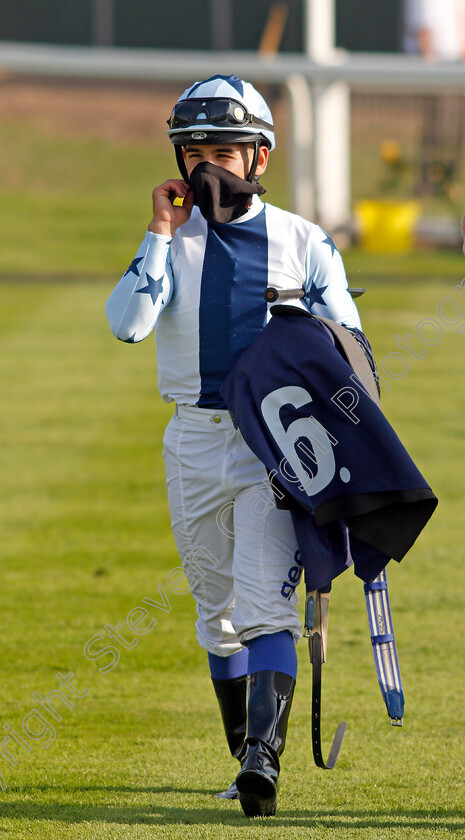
(220, 195)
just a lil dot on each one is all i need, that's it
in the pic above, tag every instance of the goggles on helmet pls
(218, 112)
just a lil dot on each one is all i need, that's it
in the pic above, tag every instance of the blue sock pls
(274, 652)
(228, 667)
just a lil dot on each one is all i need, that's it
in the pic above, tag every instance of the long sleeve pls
(143, 291)
(327, 292)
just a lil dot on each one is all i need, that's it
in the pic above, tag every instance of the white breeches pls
(238, 550)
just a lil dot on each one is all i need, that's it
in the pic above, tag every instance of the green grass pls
(85, 536)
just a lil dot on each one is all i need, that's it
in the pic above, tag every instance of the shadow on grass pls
(452, 820)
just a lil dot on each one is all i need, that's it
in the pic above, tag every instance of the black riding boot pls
(231, 695)
(269, 703)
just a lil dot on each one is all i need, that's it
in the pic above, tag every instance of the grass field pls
(85, 536)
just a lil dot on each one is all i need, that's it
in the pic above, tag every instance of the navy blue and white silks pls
(357, 497)
(203, 293)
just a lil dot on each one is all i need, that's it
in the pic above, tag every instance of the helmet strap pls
(181, 163)
(251, 176)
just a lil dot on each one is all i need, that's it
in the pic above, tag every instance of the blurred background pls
(369, 106)
(203, 25)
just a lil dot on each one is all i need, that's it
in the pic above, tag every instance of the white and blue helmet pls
(222, 109)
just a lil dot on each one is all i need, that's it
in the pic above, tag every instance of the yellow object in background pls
(389, 151)
(387, 227)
